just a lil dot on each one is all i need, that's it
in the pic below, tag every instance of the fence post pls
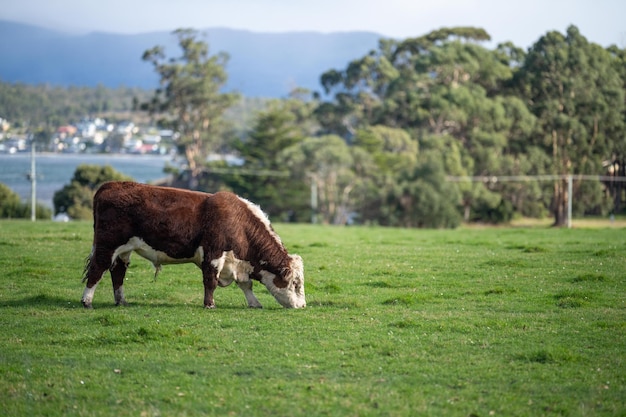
(569, 201)
(33, 182)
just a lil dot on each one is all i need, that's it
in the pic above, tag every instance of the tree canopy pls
(76, 198)
(190, 99)
(558, 109)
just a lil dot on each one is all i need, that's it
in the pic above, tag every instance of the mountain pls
(260, 65)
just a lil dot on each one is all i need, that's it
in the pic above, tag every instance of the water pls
(56, 170)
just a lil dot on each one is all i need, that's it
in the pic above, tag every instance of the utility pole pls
(33, 182)
(313, 197)
(313, 201)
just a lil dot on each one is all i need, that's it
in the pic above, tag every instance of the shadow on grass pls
(49, 301)
(40, 300)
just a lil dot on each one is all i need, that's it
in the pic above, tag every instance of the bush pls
(76, 198)
(12, 207)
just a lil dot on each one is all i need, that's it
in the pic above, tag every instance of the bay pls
(56, 170)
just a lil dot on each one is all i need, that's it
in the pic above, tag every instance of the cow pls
(226, 236)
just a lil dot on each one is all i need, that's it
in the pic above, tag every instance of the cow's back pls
(168, 219)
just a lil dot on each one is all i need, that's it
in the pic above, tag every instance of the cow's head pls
(288, 287)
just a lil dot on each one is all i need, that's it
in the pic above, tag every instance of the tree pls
(617, 165)
(12, 206)
(76, 198)
(332, 168)
(421, 197)
(577, 95)
(263, 177)
(391, 148)
(442, 88)
(190, 96)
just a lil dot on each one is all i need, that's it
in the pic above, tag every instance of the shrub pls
(76, 198)
(12, 207)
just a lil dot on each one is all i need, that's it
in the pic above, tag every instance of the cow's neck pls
(265, 250)
(269, 255)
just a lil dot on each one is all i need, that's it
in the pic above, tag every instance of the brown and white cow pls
(227, 237)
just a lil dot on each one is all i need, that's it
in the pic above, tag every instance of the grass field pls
(469, 322)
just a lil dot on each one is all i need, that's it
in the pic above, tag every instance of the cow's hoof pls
(211, 306)
(88, 306)
(122, 304)
(259, 306)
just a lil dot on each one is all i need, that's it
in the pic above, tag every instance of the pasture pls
(469, 322)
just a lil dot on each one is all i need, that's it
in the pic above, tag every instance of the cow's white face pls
(291, 295)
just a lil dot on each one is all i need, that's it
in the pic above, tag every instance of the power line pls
(530, 178)
(248, 172)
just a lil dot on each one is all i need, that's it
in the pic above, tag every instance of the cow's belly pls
(157, 257)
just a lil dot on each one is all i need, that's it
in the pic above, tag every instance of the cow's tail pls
(88, 260)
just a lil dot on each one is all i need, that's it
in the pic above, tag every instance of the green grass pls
(470, 322)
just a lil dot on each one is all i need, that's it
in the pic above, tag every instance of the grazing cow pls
(227, 237)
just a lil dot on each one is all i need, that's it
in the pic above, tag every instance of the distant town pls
(93, 135)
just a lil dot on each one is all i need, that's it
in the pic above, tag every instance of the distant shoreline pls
(55, 170)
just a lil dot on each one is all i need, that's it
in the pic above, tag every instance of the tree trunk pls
(466, 213)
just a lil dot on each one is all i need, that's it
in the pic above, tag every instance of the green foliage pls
(423, 197)
(391, 148)
(263, 178)
(557, 110)
(190, 99)
(76, 198)
(10, 203)
(12, 206)
(331, 166)
(577, 95)
(47, 107)
(480, 320)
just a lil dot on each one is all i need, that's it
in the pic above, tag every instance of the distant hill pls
(260, 65)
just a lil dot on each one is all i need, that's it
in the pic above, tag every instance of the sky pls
(521, 22)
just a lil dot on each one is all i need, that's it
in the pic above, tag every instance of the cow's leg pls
(88, 294)
(246, 287)
(225, 276)
(98, 262)
(118, 272)
(209, 278)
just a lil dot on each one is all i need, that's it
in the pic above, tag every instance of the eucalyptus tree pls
(618, 160)
(454, 94)
(358, 91)
(263, 178)
(336, 171)
(420, 196)
(440, 84)
(190, 97)
(573, 88)
(392, 150)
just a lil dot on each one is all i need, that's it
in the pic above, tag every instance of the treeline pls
(381, 141)
(391, 128)
(43, 105)
(40, 109)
